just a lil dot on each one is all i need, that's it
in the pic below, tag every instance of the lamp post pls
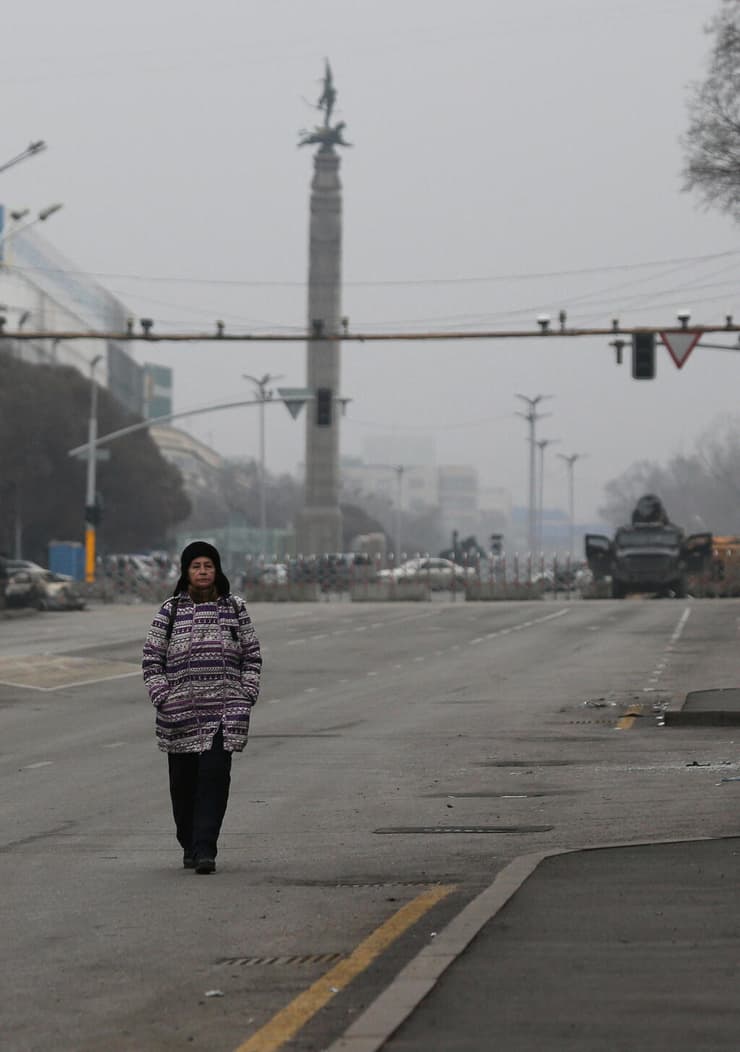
(91, 509)
(399, 470)
(263, 395)
(532, 416)
(542, 444)
(570, 460)
(40, 217)
(30, 151)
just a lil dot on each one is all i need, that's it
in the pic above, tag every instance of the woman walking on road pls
(201, 667)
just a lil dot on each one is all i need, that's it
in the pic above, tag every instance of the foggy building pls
(41, 290)
(458, 499)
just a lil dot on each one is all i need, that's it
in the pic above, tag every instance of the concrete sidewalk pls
(633, 947)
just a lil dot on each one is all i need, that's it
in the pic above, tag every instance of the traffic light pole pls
(91, 511)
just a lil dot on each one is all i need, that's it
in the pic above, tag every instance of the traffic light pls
(93, 513)
(643, 356)
(323, 406)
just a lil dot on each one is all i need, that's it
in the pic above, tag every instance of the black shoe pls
(188, 861)
(205, 865)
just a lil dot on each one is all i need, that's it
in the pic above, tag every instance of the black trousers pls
(199, 788)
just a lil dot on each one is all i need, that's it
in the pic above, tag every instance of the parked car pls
(334, 571)
(43, 589)
(269, 574)
(437, 573)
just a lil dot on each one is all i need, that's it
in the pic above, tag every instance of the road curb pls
(394, 1005)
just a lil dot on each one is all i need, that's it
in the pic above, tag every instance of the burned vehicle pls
(650, 555)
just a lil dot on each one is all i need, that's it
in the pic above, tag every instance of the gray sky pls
(493, 142)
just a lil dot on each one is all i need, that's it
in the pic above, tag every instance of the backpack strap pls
(173, 615)
(235, 631)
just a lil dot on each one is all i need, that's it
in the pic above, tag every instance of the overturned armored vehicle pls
(651, 555)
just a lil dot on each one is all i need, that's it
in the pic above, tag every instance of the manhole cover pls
(432, 830)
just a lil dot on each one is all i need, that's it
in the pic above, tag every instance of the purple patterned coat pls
(203, 677)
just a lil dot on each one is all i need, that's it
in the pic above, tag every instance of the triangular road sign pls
(294, 398)
(680, 344)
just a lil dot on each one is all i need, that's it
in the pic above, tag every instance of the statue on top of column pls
(326, 136)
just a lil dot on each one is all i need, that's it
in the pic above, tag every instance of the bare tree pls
(712, 141)
(701, 491)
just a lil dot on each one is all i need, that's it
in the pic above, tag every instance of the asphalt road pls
(400, 756)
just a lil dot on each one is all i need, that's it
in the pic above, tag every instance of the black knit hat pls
(197, 550)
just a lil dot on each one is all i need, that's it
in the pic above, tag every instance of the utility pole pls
(570, 460)
(91, 508)
(542, 444)
(532, 416)
(399, 470)
(263, 395)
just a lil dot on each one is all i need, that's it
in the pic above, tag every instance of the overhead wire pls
(378, 283)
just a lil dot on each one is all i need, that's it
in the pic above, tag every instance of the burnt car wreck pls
(649, 555)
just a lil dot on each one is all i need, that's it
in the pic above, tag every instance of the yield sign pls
(680, 344)
(294, 398)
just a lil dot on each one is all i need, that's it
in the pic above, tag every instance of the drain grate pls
(299, 883)
(490, 795)
(290, 959)
(431, 830)
(319, 734)
(525, 763)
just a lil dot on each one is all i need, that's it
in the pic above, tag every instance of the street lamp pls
(263, 395)
(399, 470)
(570, 460)
(532, 416)
(91, 509)
(542, 444)
(31, 150)
(40, 217)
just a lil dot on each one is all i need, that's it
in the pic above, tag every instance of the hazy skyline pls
(507, 160)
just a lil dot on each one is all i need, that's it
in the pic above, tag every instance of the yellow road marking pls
(626, 722)
(290, 1019)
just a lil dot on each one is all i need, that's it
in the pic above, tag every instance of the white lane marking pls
(373, 673)
(114, 745)
(669, 648)
(681, 625)
(274, 701)
(66, 686)
(33, 766)
(310, 690)
(295, 642)
(474, 642)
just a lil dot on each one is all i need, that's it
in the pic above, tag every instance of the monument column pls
(319, 524)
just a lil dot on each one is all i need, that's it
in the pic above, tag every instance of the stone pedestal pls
(319, 525)
(318, 531)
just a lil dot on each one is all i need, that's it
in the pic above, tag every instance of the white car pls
(437, 573)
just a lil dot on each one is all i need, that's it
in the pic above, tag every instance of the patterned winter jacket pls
(208, 673)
